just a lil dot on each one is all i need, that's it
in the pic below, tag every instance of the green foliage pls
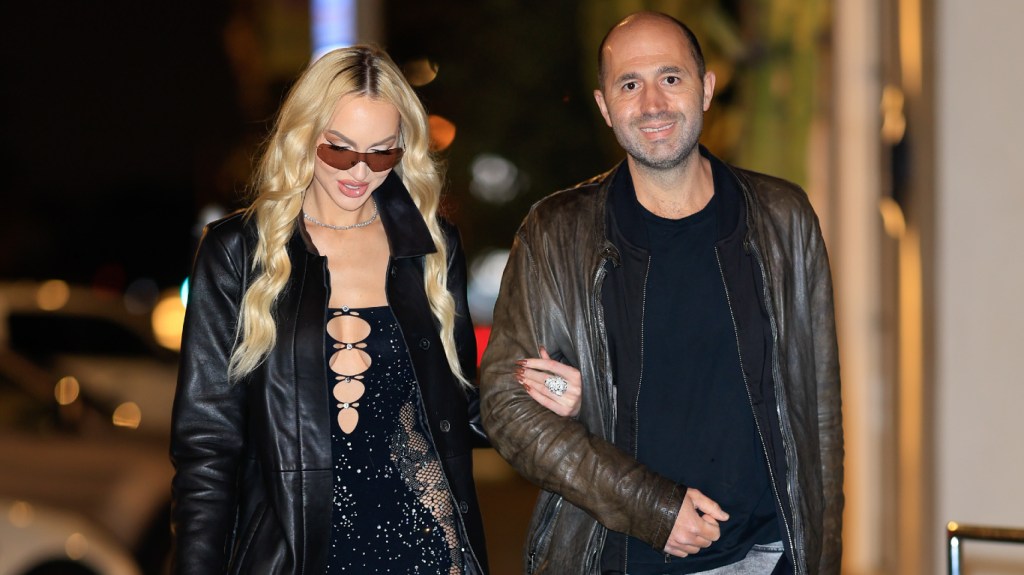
(517, 78)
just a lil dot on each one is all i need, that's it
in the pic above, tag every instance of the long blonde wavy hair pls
(285, 171)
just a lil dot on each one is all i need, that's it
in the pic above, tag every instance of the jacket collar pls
(627, 219)
(404, 226)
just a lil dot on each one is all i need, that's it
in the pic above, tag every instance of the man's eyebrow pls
(629, 76)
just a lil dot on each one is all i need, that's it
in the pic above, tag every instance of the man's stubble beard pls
(687, 142)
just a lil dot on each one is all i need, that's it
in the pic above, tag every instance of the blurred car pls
(36, 540)
(92, 336)
(96, 388)
(63, 448)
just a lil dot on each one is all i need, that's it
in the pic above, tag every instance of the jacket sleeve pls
(561, 454)
(208, 422)
(830, 418)
(465, 335)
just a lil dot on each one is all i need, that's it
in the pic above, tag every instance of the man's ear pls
(709, 89)
(599, 98)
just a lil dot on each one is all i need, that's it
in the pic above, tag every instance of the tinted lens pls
(344, 159)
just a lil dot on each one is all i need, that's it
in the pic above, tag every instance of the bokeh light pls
(168, 319)
(484, 280)
(333, 25)
(76, 546)
(128, 414)
(21, 514)
(420, 72)
(442, 133)
(495, 180)
(53, 295)
(67, 390)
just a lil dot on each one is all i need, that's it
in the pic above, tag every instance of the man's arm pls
(830, 417)
(560, 454)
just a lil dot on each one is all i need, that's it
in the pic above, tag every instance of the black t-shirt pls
(694, 422)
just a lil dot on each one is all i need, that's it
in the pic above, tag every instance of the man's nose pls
(653, 99)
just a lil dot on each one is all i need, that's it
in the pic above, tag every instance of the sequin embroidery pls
(392, 510)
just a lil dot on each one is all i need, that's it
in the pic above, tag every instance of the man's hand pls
(693, 531)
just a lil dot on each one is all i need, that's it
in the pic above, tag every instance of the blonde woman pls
(325, 414)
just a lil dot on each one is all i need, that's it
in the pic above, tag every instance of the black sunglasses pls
(346, 159)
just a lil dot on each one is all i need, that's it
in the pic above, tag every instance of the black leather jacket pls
(551, 295)
(253, 486)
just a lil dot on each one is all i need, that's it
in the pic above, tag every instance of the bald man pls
(695, 300)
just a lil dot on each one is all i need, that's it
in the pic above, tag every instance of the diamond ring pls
(556, 385)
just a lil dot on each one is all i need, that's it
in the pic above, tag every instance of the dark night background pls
(122, 119)
(115, 116)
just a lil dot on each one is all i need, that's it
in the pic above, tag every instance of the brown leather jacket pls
(551, 296)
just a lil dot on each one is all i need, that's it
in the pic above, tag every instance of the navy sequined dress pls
(392, 511)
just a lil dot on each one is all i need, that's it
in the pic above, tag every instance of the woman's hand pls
(551, 383)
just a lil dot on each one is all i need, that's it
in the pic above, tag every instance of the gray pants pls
(760, 560)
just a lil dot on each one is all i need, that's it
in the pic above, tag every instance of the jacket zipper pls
(750, 399)
(799, 567)
(639, 384)
(456, 511)
(548, 515)
(600, 534)
(781, 392)
(546, 522)
(602, 337)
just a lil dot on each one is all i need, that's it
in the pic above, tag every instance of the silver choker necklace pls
(351, 227)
